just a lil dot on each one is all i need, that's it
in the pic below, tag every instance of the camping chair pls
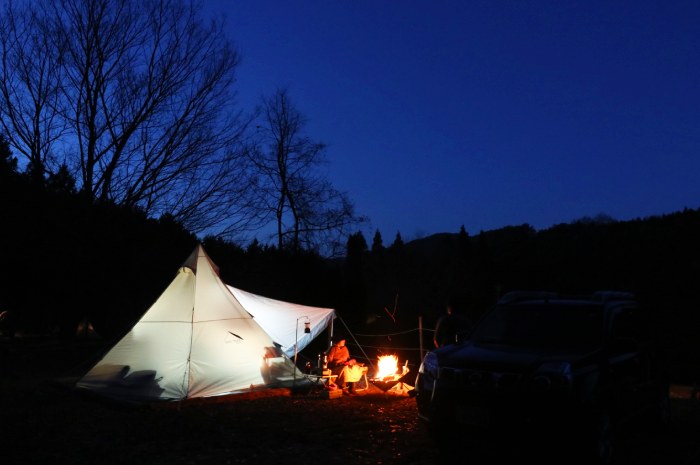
(364, 379)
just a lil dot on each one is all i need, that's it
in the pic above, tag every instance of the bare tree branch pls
(30, 89)
(307, 211)
(145, 91)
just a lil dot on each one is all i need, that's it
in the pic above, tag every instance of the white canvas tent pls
(284, 321)
(196, 340)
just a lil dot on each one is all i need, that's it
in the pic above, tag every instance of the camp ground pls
(202, 338)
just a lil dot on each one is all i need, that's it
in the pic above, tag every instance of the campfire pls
(388, 373)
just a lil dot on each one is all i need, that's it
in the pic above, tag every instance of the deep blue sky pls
(486, 113)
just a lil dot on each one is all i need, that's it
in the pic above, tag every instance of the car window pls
(629, 324)
(542, 326)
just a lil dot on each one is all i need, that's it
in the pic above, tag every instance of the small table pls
(321, 380)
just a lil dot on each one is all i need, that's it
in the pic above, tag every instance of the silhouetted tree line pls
(68, 257)
(657, 258)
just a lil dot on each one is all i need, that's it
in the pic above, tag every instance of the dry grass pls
(45, 422)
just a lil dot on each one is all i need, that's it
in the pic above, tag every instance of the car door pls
(631, 362)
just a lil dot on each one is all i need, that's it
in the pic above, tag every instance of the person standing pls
(449, 328)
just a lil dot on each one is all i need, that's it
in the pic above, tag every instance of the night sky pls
(486, 114)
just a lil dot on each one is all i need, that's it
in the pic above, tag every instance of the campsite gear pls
(196, 340)
(387, 382)
(332, 393)
(322, 362)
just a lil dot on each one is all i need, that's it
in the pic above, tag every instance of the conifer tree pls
(377, 245)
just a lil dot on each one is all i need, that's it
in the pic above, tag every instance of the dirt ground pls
(44, 421)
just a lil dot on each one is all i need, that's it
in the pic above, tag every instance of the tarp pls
(285, 321)
(196, 340)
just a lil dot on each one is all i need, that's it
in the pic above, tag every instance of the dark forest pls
(68, 260)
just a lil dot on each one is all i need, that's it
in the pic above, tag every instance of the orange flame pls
(387, 367)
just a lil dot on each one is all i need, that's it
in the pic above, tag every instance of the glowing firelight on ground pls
(387, 367)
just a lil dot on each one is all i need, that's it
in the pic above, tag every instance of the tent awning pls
(284, 321)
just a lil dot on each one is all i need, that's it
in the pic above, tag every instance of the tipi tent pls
(284, 321)
(196, 340)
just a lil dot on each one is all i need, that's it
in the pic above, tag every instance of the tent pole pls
(420, 334)
(296, 344)
(358, 344)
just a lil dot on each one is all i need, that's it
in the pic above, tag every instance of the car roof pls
(598, 297)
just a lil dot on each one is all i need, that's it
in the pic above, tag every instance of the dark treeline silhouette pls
(68, 258)
(657, 258)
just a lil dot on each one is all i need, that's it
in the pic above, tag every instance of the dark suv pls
(567, 368)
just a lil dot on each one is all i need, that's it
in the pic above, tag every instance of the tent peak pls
(194, 259)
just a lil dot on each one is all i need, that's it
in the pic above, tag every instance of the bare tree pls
(308, 212)
(145, 89)
(30, 89)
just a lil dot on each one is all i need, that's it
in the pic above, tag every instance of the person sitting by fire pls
(341, 365)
